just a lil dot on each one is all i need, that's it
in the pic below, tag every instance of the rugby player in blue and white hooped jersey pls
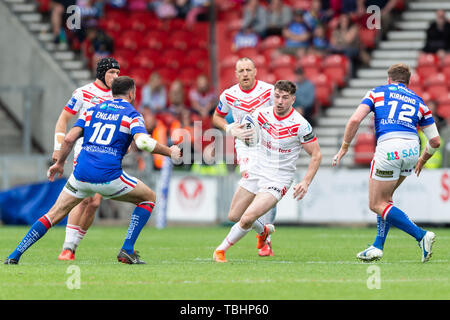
(108, 130)
(398, 111)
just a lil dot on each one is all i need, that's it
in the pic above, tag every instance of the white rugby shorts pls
(255, 183)
(394, 158)
(112, 189)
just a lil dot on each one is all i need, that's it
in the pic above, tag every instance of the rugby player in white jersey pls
(241, 99)
(82, 216)
(283, 134)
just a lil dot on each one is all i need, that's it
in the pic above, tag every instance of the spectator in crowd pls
(315, 15)
(279, 16)
(297, 35)
(304, 96)
(386, 7)
(255, 15)
(345, 39)
(320, 44)
(57, 17)
(154, 100)
(438, 35)
(102, 45)
(199, 11)
(164, 9)
(203, 100)
(183, 7)
(177, 99)
(245, 38)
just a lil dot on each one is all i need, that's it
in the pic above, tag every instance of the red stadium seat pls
(282, 61)
(124, 57)
(443, 109)
(173, 58)
(229, 61)
(260, 61)
(368, 37)
(436, 86)
(415, 80)
(147, 58)
(155, 40)
(427, 59)
(364, 148)
(271, 42)
(129, 40)
(198, 58)
(248, 52)
(140, 76)
(323, 89)
(180, 39)
(188, 76)
(336, 68)
(284, 73)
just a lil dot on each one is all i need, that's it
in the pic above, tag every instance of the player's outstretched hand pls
(337, 158)
(419, 166)
(175, 153)
(300, 190)
(54, 170)
(238, 131)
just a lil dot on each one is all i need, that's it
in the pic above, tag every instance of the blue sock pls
(400, 220)
(139, 218)
(382, 232)
(37, 231)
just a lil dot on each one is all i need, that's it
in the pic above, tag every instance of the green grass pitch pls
(309, 263)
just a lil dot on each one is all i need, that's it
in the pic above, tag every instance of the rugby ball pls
(250, 123)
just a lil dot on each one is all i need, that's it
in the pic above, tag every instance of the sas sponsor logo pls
(72, 103)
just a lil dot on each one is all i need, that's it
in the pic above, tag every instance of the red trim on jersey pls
(125, 124)
(378, 99)
(248, 91)
(282, 118)
(104, 90)
(281, 133)
(70, 110)
(220, 112)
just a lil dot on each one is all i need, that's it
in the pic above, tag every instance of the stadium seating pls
(364, 148)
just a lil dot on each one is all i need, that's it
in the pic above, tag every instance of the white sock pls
(71, 237)
(258, 226)
(80, 236)
(236, 233)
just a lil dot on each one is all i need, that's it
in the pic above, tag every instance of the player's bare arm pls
(69, 140)
(313, 149)
(60, 132)
(235, 129)
(146, 143)
(350, 131)
(434, 142)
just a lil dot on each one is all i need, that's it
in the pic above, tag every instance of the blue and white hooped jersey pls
(109, 128)
(398, 111)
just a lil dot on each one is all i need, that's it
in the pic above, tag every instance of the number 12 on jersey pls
(407, 111)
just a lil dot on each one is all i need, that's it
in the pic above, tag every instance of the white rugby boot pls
(370, 254)
(426, 245)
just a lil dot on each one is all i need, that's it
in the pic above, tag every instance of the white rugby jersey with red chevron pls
(280, 144)
(241, 102)
(82, 99)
